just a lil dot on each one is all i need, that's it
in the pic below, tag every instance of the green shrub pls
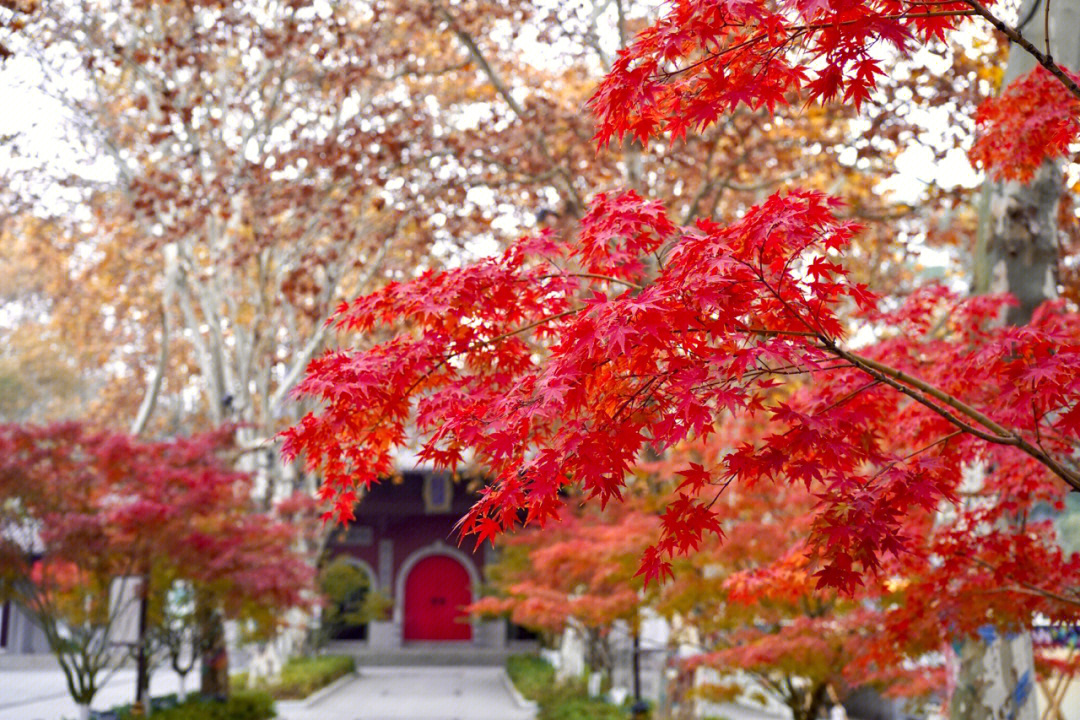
(568, 700)
(302, 676)
(240, 706)
(531, 675)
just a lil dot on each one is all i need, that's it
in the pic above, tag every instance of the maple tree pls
(577, 573)
(563, 359)
(888, 632)
(748, 605)
(794, 642)
(84, 509)
(732, 310)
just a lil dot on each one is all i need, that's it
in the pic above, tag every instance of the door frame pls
(436, 548)
(373, 583)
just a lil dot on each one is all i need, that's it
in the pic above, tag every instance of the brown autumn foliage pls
(270, 159)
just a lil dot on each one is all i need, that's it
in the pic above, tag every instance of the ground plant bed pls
(558, 700)
(241, 705)
(300, 677)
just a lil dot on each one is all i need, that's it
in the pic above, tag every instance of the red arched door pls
(436, 591)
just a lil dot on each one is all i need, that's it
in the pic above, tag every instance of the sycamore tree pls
(252, 182)
(99, 528)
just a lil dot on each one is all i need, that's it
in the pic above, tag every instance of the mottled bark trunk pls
(1016, 252)
(1021, 253)
(996, 680)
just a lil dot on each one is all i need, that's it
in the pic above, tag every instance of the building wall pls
(23, 636)
(396, 525)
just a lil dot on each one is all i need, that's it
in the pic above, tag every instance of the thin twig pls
(1026, 586)
(1046, 28)
(595, 276)
(1044, 59)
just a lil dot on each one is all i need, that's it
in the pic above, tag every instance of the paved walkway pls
(384, 693)
(42, 694)
(733, 711)
(377, 693)
(415, 693)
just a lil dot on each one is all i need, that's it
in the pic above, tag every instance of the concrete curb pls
(519, 699)
(324, 692)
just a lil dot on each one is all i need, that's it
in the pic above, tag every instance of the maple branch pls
(999, 435)
(837, 403)
(905, 383)
(797, 30)
(794, 370)
(1043, 59)
(897, 461)
(595, 276)
(770, 333)
(1028, 587)
(522, 329)
(924, 387)
(645, 386)
(486, 343)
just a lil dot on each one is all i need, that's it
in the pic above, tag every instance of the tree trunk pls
(214, 654)
(84, 712)
(996, 679)
(808, 706)
(1016, 252)
(142, 661)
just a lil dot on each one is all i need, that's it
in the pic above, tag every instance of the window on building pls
(355, 535)
(438, 493)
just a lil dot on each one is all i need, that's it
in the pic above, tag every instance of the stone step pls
(428, 654)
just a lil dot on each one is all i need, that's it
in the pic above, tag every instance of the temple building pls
(404, 539)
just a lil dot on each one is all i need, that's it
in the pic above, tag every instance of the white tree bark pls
(1017, 252)
(996, 680)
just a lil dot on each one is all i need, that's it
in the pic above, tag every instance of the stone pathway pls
(42, 694)
(377, 693)
(415, 693)
(734, 711)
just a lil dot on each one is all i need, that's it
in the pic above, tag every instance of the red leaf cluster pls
(551, 377)
(1034, 119)
(111, 505)
(705, 58)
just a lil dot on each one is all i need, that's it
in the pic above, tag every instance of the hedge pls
(567, 700)
(302, 676)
